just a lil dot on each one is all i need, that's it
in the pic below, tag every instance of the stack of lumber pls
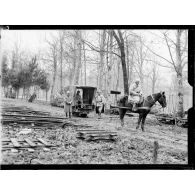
(22, 110)
(29, 119)
(23, 115)
(96, 135)
(29, 144)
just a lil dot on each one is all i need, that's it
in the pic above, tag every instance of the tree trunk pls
(118, 76)
(85, 66)
(74, 63)
(23, 93)
(120, 42)
(54, 77)
(101, 66)
(125, 77)
(180, 109)
(127, 58)
(78, 56)
(46, 95)
(110, 64)
(61, 61)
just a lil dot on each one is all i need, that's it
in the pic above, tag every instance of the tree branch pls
(157, 63)
(98, 50)
(158, 55)
(169, 51)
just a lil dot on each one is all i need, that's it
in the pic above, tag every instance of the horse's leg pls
(122, 114)
(139, 120)
(143, 122)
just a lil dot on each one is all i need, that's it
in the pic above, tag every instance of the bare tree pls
(102, 58)
(141, 54)
(110, 61)
(154, 76)
(85, 64)
(179, 47)
(78, 39)
(120, 41)
(61, 50)
(51, 57)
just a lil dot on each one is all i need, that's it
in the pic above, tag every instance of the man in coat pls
(135, 93)
(78, 100)
(68, 104)
(100, 101)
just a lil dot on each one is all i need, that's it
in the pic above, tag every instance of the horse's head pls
(162, 99)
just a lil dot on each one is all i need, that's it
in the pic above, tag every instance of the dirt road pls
(132, 146)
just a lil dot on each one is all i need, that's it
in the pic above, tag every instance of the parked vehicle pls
(87, 96)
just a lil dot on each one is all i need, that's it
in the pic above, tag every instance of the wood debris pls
(96, 135)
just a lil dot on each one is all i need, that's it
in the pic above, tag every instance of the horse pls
(143, 107)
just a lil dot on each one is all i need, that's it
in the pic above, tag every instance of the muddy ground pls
(131, 146)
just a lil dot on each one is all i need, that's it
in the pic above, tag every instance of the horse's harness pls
(149, 101)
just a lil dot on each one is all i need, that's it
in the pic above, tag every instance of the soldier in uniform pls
(135, 93)
(68, 104)
(78, 100)
(99, 103)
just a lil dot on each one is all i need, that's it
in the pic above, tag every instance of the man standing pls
(78, 100)
(68, 104)
(99, 103)
(135, 93)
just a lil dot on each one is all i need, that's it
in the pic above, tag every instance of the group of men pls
(134, 96)
(68, 101)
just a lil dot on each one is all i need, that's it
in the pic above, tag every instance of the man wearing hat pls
(68, 104)
(135, 93)
(78, 99)
(100, 101)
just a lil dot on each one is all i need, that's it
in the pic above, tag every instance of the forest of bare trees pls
(106, 59)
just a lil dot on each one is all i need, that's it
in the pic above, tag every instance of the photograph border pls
(191, 111)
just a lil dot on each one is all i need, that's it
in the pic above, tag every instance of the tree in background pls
(177, 48)
(154, 77)
(5, 73)
(42, 81)
(78, 47)
(51, 58)
(120, 41)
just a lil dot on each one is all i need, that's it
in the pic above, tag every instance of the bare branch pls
(116, 37)
(149, 60)
(97, 49)
(158, 55)
(184, 64)
(170, 51)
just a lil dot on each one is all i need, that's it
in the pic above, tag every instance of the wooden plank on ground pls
(43, 141)
(99, 139)
(97, 132)
(102, 130)
(31, 150)
(15, 142)
(31, 143)
(5, 139)
(89, 130)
